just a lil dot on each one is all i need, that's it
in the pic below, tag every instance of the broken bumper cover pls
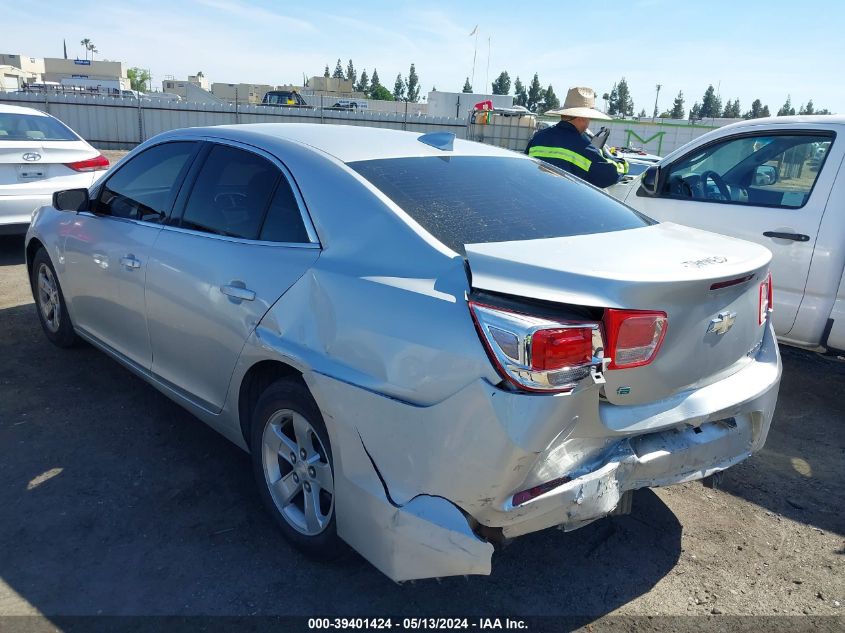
(412, 481)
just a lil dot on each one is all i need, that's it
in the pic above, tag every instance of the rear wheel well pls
(31, 249)
(255, 381)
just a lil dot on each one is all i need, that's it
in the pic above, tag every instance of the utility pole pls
(654, 116)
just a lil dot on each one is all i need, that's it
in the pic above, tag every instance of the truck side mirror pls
(648, 183)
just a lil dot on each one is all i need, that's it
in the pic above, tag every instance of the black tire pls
(60, 332)
(289, 395)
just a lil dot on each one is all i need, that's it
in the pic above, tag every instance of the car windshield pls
(477, 199)
(32, 127)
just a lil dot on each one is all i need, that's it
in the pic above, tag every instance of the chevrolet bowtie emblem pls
(722, 323)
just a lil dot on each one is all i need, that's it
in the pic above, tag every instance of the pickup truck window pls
(771, 170)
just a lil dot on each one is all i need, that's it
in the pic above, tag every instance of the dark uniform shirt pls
(564, 146)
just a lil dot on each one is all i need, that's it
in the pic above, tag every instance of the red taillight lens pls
(633, 336)
(535, 353)
(766, 299)
(90, 164)
(556, 349)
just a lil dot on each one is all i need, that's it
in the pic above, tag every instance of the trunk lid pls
(48, 173)
(664, 267)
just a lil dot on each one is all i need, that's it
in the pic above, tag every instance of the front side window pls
(767, 170)
(231, 193)
(144, 187)
(477, 199)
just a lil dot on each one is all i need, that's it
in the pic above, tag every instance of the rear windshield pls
(476, 199)
(29, 127)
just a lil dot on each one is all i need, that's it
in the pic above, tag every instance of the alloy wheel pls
(297, 472)
(48, 298)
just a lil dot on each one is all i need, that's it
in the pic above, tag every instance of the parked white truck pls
(779, 182)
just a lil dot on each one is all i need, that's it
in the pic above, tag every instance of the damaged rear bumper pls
(412, 481)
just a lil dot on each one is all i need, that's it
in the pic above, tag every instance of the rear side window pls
(144, 187)
(477, 199)
(283, 222)
(32, 127)
(231, 193)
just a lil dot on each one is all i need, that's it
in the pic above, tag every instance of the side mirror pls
(71, 200)
(649, 180)
(765, 175)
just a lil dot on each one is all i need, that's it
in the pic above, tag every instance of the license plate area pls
(31, 172)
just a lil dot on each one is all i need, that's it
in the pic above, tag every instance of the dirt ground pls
(115, 501)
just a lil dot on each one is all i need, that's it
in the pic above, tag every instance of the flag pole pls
(487, 82)
(474, 55)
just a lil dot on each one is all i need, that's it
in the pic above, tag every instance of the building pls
(64, 71)
(18, 70)
(242, 93)
(83, 74)
(196, 89)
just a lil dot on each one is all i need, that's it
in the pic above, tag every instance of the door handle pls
(237, 292)
(797, 237)
(130, 262)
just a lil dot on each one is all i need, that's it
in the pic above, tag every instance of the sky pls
(747, 50)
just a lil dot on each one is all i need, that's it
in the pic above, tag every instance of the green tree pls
(695, 112)
(678, 107)
(138, 78)
(642, 114)
(413, 85)
(85, 46)
(326, 72)
(521, 97)
(338, 71)
(823, 111)
(398, 88)
(363, 84)
(502, 85)
(624, 102)
(786, 109)
(756, 110)
(612, 99)
(467, 86)
(765, 111)
(380, 93)
(807, 109)
(711, 105)
(550, 100)
(374, 84)
(732, 110)
(535, 94)
(351, 73)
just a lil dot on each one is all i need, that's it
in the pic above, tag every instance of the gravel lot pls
(116, 501)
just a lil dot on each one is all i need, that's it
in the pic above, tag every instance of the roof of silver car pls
(350, 143)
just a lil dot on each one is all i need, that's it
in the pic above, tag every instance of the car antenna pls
(439, 140)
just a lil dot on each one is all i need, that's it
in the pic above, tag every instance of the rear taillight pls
(90, 164)
(766, 299)
(535, 353)
(633, 336)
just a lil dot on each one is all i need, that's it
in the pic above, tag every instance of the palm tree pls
(86, 43)
(93, 50)
(200, 74)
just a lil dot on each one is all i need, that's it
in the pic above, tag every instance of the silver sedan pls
(428, 346)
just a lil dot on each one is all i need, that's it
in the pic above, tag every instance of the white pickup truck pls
(779, 182)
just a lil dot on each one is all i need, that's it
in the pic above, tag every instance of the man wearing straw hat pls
(567, 146)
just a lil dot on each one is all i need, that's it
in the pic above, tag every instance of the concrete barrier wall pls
(110, 123)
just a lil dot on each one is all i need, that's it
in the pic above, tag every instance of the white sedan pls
(39, 155)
